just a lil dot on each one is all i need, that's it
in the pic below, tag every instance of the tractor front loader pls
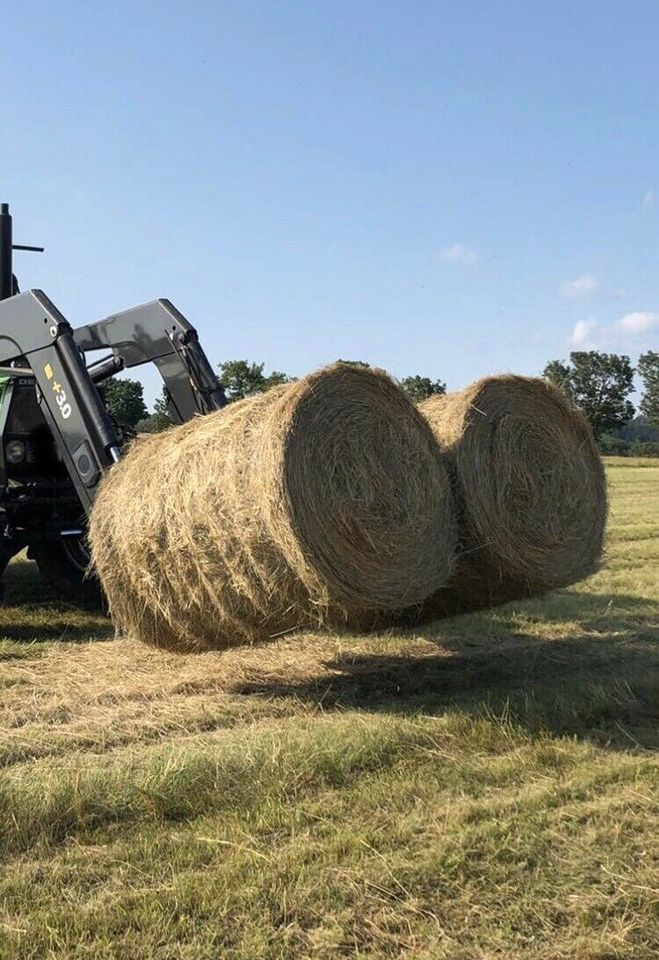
(56, 436)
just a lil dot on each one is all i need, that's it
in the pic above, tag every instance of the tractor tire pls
(63, 566)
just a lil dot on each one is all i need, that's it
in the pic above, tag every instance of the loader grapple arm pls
(57, 437)
(33, 331)
(158, 333)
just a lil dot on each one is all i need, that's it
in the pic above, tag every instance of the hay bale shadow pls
(60, 627)
(600, 682)
(32, 611)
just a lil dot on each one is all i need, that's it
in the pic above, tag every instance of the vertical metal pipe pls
(6, 280)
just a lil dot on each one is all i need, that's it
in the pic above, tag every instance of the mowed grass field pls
(485, 787)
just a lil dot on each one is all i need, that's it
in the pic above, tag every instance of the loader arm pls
(33, 331)
(57, 438)
(158, 333)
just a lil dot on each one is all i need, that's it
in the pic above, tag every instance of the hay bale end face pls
(530, 490)
(325, 500)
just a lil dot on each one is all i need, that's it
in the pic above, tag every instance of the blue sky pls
(436, 189)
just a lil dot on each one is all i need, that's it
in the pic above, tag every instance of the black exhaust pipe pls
(6, 272)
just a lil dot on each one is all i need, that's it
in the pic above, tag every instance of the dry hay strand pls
(321, 501)
(530, 491)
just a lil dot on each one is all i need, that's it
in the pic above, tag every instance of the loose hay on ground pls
(325, 500)
(529, 486)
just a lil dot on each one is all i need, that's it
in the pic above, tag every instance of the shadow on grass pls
(32, 612)
(572, 664)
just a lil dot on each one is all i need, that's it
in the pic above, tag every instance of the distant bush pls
(614, 446)
(638, 430)
(648, 449)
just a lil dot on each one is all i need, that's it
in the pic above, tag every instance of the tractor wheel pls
(63, 566)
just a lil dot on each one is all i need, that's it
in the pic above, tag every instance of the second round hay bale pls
(325, 500)
(530, 490)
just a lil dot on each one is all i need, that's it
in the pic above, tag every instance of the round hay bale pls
(324, 500)
(529, 486)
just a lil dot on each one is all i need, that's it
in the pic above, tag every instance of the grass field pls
(483, 788)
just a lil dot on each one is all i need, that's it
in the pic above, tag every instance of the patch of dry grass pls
(485, 787)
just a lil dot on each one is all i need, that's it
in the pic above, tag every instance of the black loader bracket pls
(158, 333)
(36, 340)
(81, 427)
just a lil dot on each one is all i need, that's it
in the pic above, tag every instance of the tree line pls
(599, 384)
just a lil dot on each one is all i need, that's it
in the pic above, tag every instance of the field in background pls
(483, 788)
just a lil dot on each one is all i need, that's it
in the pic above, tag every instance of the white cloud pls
(631, 332)
(459, 253)
(580, 286)
(649, 199)
(638, 322)
(581, 333)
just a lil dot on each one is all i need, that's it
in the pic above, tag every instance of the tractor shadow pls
(32, 612)
(572, 664)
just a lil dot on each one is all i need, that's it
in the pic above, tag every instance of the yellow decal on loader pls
(60, 396)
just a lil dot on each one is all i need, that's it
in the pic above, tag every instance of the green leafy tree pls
(160, 419)
(558, 373)
(648, 368)
(420, 388)
(599, 384)
(125, 401)
(241, 379)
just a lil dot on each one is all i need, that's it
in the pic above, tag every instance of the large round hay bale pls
(325, 500)
(529, 486)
